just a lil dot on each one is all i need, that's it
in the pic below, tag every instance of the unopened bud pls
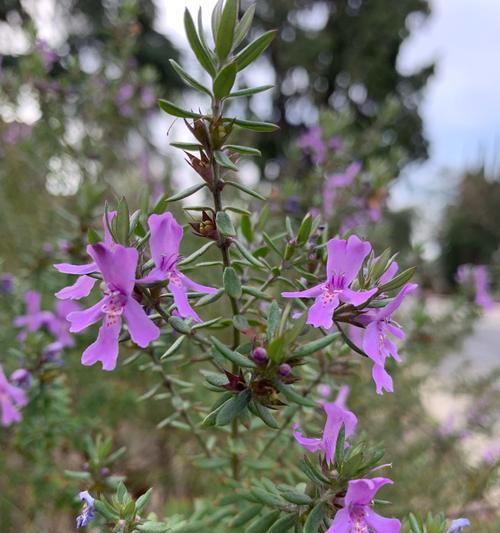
(259, 355)
(285, 369)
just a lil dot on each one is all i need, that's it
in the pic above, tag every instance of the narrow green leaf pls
(176, 111)
(186, 192)
(224, 81)
(195, 255)
(414, 525)
(209, 298)
(252, 51)
(252, 125)
(121, 222)
(105, 510)
(243, 26)
(174, 347)
(216, 15)
(246, 227)
(399, 280)
(283, 524)
(315, 518)
(298, 498)
(225, 29)
(189, 147)
(265, 415)
(316, 345)
(245, 516)
(263, 524)
(293, 396)
(232, 283)
(232, 408)
(250, 91)
(188, 79)
(199, 50)
(245, 189)
(273, 319)
(225, 224)
(143, 500)
(241, 323)
(305, 229)
(247, 254)
(231, 355)
(92, 236)
(340, 447)
(381, 265)
(243, 150)
(224, 161)
(152, 527)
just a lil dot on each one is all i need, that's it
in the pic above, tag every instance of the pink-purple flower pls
(117, 266)
(166, 236)
(337, 415)
(357, 515)
(35, 318)
(345, 258)
(88, 511)
(479, 275)
(11, 399)
(337, 181)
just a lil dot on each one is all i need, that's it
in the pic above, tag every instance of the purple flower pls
(357, 514)
(337, 181)
(11, 398)
(117, 266)
(479, 276)
(125, 93)
(312, 143)
(88, 511)
(6, 283)
(336, 142)
(458, 524)
(324, 390)
(21, 378)
(48, 56)
(376, 343)
(492, 454)
(35, 318)
(337, 415)
(59, 326)
(16, 132)
(166, 236)
(84, 284)
(148, 96)
(345, 258)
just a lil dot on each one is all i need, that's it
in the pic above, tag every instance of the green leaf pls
(245, 516)
(399, 280)
(339, 447)
(225, 29)
(414, 525)
(298, 498)
(188, 79)
(315, 518)
(225, 224)
(195, 255)
(245, 189)
(216, 15)
(305, 229)
(176, 111)
(265, 415)
(316, 345)
(246, 227)
(174, 347)
(210, 463)
(283, 524)
(232, 408)
(381, 265)
(152, 527)
(161, 205)
(231, 355)
(275, 349)
(232, 283)
(143, 500)
(209, 298)
(186, 192)
(252, 125)
(243, 150)
(79, 476)
(105, 510)
(224, 81)
(180, 325)
(224, 161)
(196, 45)
(121, 222)
(92, 236)
(189, 147)
(251, 52)
(250, 91)
(273, 319)
(241, 323)
(293, 396)
(263, 524)
(243, 26)
(247, 254)
(121, 492)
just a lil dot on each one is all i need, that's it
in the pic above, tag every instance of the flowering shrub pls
(290, 301)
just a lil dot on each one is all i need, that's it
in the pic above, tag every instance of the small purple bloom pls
(11, 398)
(48, 56)
(337, 415)
(6, 283)
(125, 93)
(166, 236)
(16, 132)
(336, 142)
(117, 266)
(458, 525)
(285, 370)
(21, 378)
(357, 514)
(479, 276)
(376, 343)
(345, 258)
(148, 96)
(35, 318)
(324, 390)
(312, 143)
(88, 511)
(259, 355)
(59, 326)
(337, 181)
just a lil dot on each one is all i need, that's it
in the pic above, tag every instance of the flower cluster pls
(479, 277)
(11, 398)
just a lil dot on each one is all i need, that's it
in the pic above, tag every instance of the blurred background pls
(408, 88)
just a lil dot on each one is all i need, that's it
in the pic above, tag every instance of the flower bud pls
(285, 369)
(259, 355)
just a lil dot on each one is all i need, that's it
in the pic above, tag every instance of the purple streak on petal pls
(80, 289)
(81, 320)
(67, 268)
(105, 348)
(166, 235)
(141, 328)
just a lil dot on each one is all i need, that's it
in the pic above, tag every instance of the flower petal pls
(105, 347)
(382, 379)
(341, 523)
(380, 524)
(67, 268)
(116, 264)
(81, 320)
(389, 273)
(155, 276)
(141, 328)
(345, 257)
(307, 293)
(181, 300)
(362, 491)
(166, 235)
(356, 297)
(372, 342)
(321, 312)
(310, 444)
(80, 289)
(190, 284)
(398, 300)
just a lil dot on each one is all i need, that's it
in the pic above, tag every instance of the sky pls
(461, 105)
